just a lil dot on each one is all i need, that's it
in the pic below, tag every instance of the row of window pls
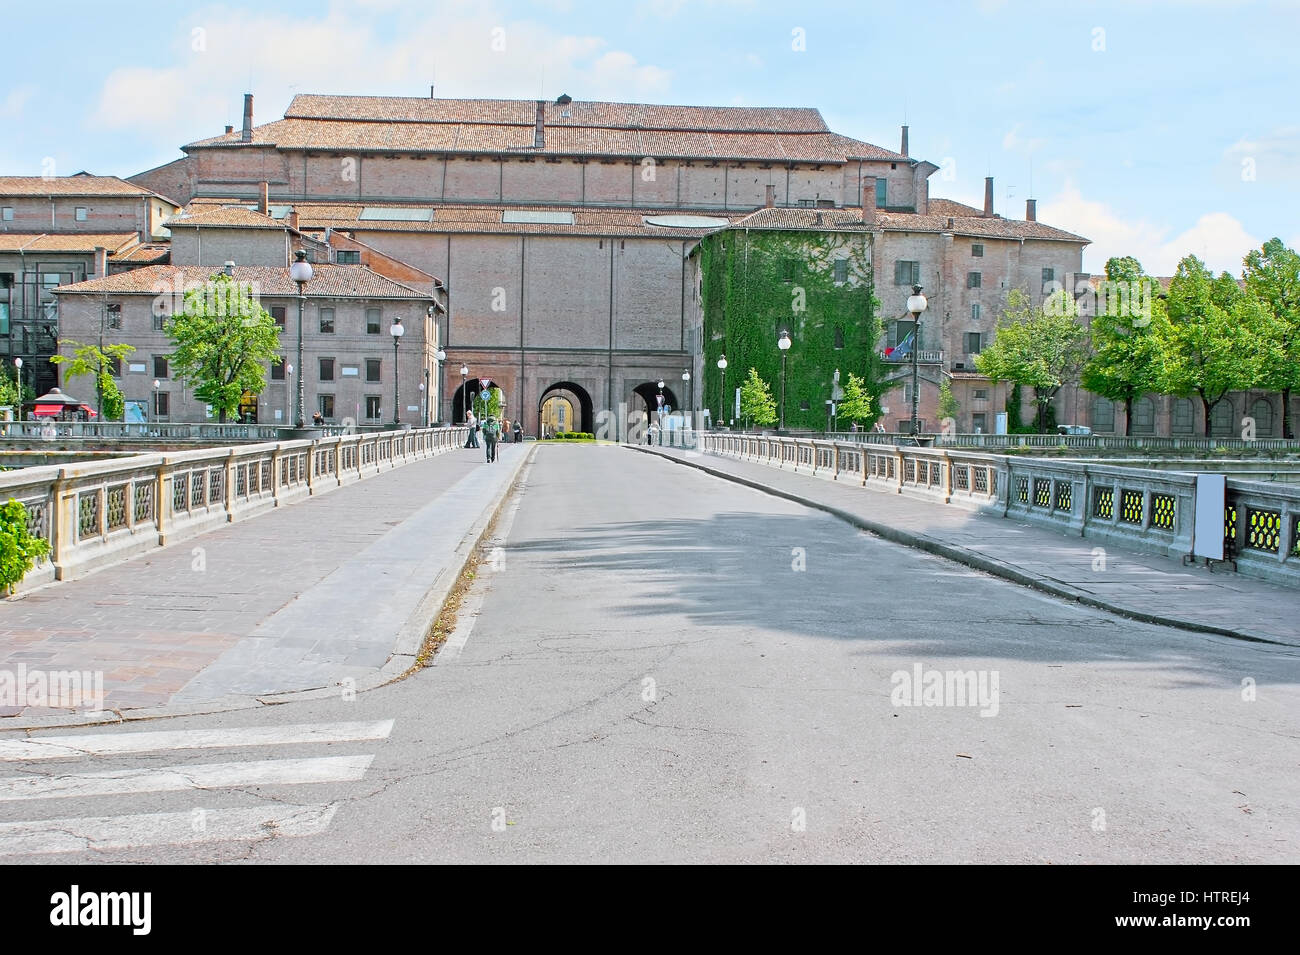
(324, 403)
(7, 213)
(1182, 416)
(326, 369)
(279, 314)
(908, 272)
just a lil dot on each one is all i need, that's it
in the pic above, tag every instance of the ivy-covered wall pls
(755, 283)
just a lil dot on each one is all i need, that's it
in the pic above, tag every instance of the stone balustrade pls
(98, 513)
(1139, 508)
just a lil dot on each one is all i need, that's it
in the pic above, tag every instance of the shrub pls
(18, 548)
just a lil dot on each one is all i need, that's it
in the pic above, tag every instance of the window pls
(839, 336)
(325, 405)
(975, 312)
(277, 315)
(899, 332)
(1222, 419)
(841, 271)
(161, 404)
(115, 367)
(81, 213)
(347, 257)
(974, 279)
(980, 394)
(1144, 416)
(979, 422)
(327, 321)
(977, 250)
(806, 203)
(880, 192)
(372, 369)
(789, 270)
(277, 370)
(1262, 411)
(907, 272)
(7, 213)
(1049, 275)
(373, 316)
(974, 341)
(825, 203)
(372, 407)
(327, 369)
(1103, 414)
(1184, 416)
(159, 319)
(113, 316)
(160, 366)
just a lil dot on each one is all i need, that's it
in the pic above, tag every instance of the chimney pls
(430, 91)
(904, 149)
(1031, 210)
(264, 199)
(246, 135)
(869, 200)
(770, 200)
(101, 261)
(539, 135)
(988, 195)
(229, 129)
(292, 219)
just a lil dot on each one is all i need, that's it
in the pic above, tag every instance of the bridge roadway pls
(660, 665)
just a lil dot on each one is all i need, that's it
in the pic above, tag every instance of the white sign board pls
(1211, 495)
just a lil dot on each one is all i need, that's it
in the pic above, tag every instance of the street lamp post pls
(157, 387)
(397, 330)
(18, 366)
(690, 399)
(722, 406)
(464, 392)
(424, 418)
(916, 304)
(300, 271)
(288, 395)
(783, 343)
(441, 357)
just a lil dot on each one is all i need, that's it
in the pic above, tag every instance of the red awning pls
(48, 409)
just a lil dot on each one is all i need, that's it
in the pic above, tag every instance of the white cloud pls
(1013, 142)
(1273, 157)
(1217, 238)
(11, 106)
(275, 55)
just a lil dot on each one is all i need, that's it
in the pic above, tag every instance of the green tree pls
(1125, 363)
(488, 402)
(10, 393)
(856, 405)
(756, 402)
(1272, 277)
(98, 362)
(1210, 344)
(222, 340)
(949, 407)
(1043, 347)
(18, 548)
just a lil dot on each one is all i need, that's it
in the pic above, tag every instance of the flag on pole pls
(902, 349)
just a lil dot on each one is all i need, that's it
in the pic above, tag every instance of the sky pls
(1156, 128)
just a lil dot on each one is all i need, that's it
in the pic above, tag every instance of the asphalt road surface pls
(659, 666)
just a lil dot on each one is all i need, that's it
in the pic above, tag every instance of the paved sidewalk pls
(1142, 586)
(336, 587)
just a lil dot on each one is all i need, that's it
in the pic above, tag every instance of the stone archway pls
(580, 413)
(464, 398)
(648, 392)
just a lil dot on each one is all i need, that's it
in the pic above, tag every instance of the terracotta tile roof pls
(226, 216)
(951, 207)
(487, 219)
(69, 186)
(411, 124)
(328, 281)
(85, 242)
(149, 253)
(994, 227)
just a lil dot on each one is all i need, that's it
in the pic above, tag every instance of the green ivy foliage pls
(753, 286)
(18, 549)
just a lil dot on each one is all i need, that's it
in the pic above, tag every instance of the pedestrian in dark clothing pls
(472, 423)
(519, 433)
(491, 431)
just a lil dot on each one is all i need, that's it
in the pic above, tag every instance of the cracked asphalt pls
(660, 666)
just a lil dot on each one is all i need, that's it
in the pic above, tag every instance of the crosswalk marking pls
(109, 744)
(266, 772)
(162, 828)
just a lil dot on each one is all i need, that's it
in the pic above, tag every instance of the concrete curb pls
(406, 645)
(973, 559)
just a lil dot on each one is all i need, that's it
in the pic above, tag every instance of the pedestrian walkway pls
(334, 590)
(1142, 586)
(79, 767)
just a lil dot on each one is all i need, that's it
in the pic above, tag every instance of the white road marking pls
(266, 772)
(118, 744)
(162, 829)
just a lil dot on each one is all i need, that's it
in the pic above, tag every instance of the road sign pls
(483, 383)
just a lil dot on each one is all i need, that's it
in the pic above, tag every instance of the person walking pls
(471, 422)
(491, 431)
(519, 433)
